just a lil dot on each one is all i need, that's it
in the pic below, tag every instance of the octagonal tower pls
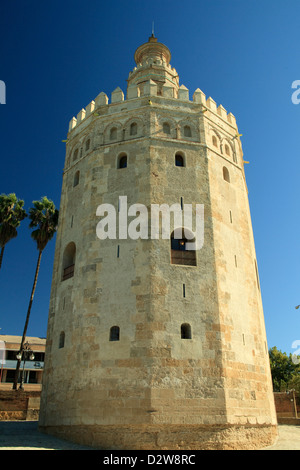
(152, 345)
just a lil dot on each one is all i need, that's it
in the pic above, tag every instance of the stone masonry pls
(151, 386)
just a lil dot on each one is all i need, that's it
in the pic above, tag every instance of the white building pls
(32, 369)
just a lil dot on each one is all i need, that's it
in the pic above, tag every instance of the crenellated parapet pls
(150, 89)
(154, 77)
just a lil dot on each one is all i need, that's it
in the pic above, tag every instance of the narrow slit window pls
(61, 343)
(76, 179)
(226, 175)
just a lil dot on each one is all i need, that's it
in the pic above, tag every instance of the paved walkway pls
(288, 439)
(24, 435)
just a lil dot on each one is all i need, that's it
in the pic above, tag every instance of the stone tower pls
(151, 345)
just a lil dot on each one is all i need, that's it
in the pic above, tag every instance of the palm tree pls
(44, 216)
(11, 215)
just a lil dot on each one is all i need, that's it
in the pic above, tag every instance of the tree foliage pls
(44, 216)
(11, 215)
(285, 371)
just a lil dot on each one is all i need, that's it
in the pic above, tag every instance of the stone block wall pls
(18, 405)
(285, 404)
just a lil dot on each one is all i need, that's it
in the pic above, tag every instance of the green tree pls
(44, 216)
(11, 215)
(283, 369)
(294, 383)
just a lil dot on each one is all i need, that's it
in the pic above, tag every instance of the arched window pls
(187, 131)
(122, 161)
(227, 149)
(166, 128)
(114, 333)
(214, 141)
(186, 331)
(113, 134)
(87, 144)
(226, 175)
(179, 159)
(76, 178)
(180, 249)
(133, 128)
(69, 261)
(61, 342)
(75, 155)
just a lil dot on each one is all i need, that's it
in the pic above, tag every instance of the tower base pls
(168, 437)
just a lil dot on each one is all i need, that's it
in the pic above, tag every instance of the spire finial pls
(152, 37)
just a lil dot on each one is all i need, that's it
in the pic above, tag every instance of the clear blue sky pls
(56, 56)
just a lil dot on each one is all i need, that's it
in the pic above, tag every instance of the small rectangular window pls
(114, 333)
(61, 343)
(183, 290)
(186, 332)
(118, 251)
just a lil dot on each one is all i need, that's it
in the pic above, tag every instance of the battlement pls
(150, 89)
(153, 61)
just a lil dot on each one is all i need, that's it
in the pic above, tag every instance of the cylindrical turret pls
(153, 63)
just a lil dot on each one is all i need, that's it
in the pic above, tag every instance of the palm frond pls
(44, 216)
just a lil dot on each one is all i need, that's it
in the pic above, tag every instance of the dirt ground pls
(24, 435)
